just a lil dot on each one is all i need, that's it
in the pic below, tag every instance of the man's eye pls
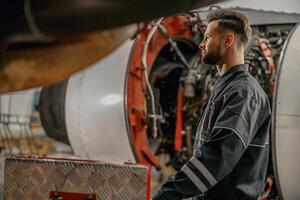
(205, 38)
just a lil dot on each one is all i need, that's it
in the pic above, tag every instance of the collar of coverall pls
(235, 69)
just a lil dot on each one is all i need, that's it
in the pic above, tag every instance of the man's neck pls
(225, 68)
(229, 63)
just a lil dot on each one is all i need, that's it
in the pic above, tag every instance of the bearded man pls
(230, 154)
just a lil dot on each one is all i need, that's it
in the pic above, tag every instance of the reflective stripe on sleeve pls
(193, 177)
(204, 171)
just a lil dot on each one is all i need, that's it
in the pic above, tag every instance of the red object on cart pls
(55, 195)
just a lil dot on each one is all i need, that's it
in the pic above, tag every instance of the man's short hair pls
(232, 20)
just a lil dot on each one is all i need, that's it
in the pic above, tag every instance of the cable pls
(145, 68)
(173, 43)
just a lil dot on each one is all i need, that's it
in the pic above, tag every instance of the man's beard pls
(211, 58)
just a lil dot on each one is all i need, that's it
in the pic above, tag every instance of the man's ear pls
(229, 39)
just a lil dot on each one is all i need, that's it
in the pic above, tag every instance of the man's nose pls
(202, 45)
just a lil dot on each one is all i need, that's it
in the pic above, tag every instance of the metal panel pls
(32, 178)
(97, 94)
(263, 17)
(286, 120)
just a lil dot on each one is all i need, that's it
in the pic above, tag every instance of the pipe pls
(145, 69)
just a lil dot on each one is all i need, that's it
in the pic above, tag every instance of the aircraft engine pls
(142, 101)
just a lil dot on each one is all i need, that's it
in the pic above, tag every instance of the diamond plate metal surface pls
(34, 179)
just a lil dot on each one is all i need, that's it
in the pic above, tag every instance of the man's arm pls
(205, 169)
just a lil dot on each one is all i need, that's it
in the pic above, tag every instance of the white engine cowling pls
(95, 109)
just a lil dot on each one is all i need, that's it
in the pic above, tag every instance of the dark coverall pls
(231, 148)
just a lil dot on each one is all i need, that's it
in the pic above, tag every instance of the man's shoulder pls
(246, 87)
(247, 83)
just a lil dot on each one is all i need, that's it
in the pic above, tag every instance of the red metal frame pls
(177, 28)
(179, 120)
